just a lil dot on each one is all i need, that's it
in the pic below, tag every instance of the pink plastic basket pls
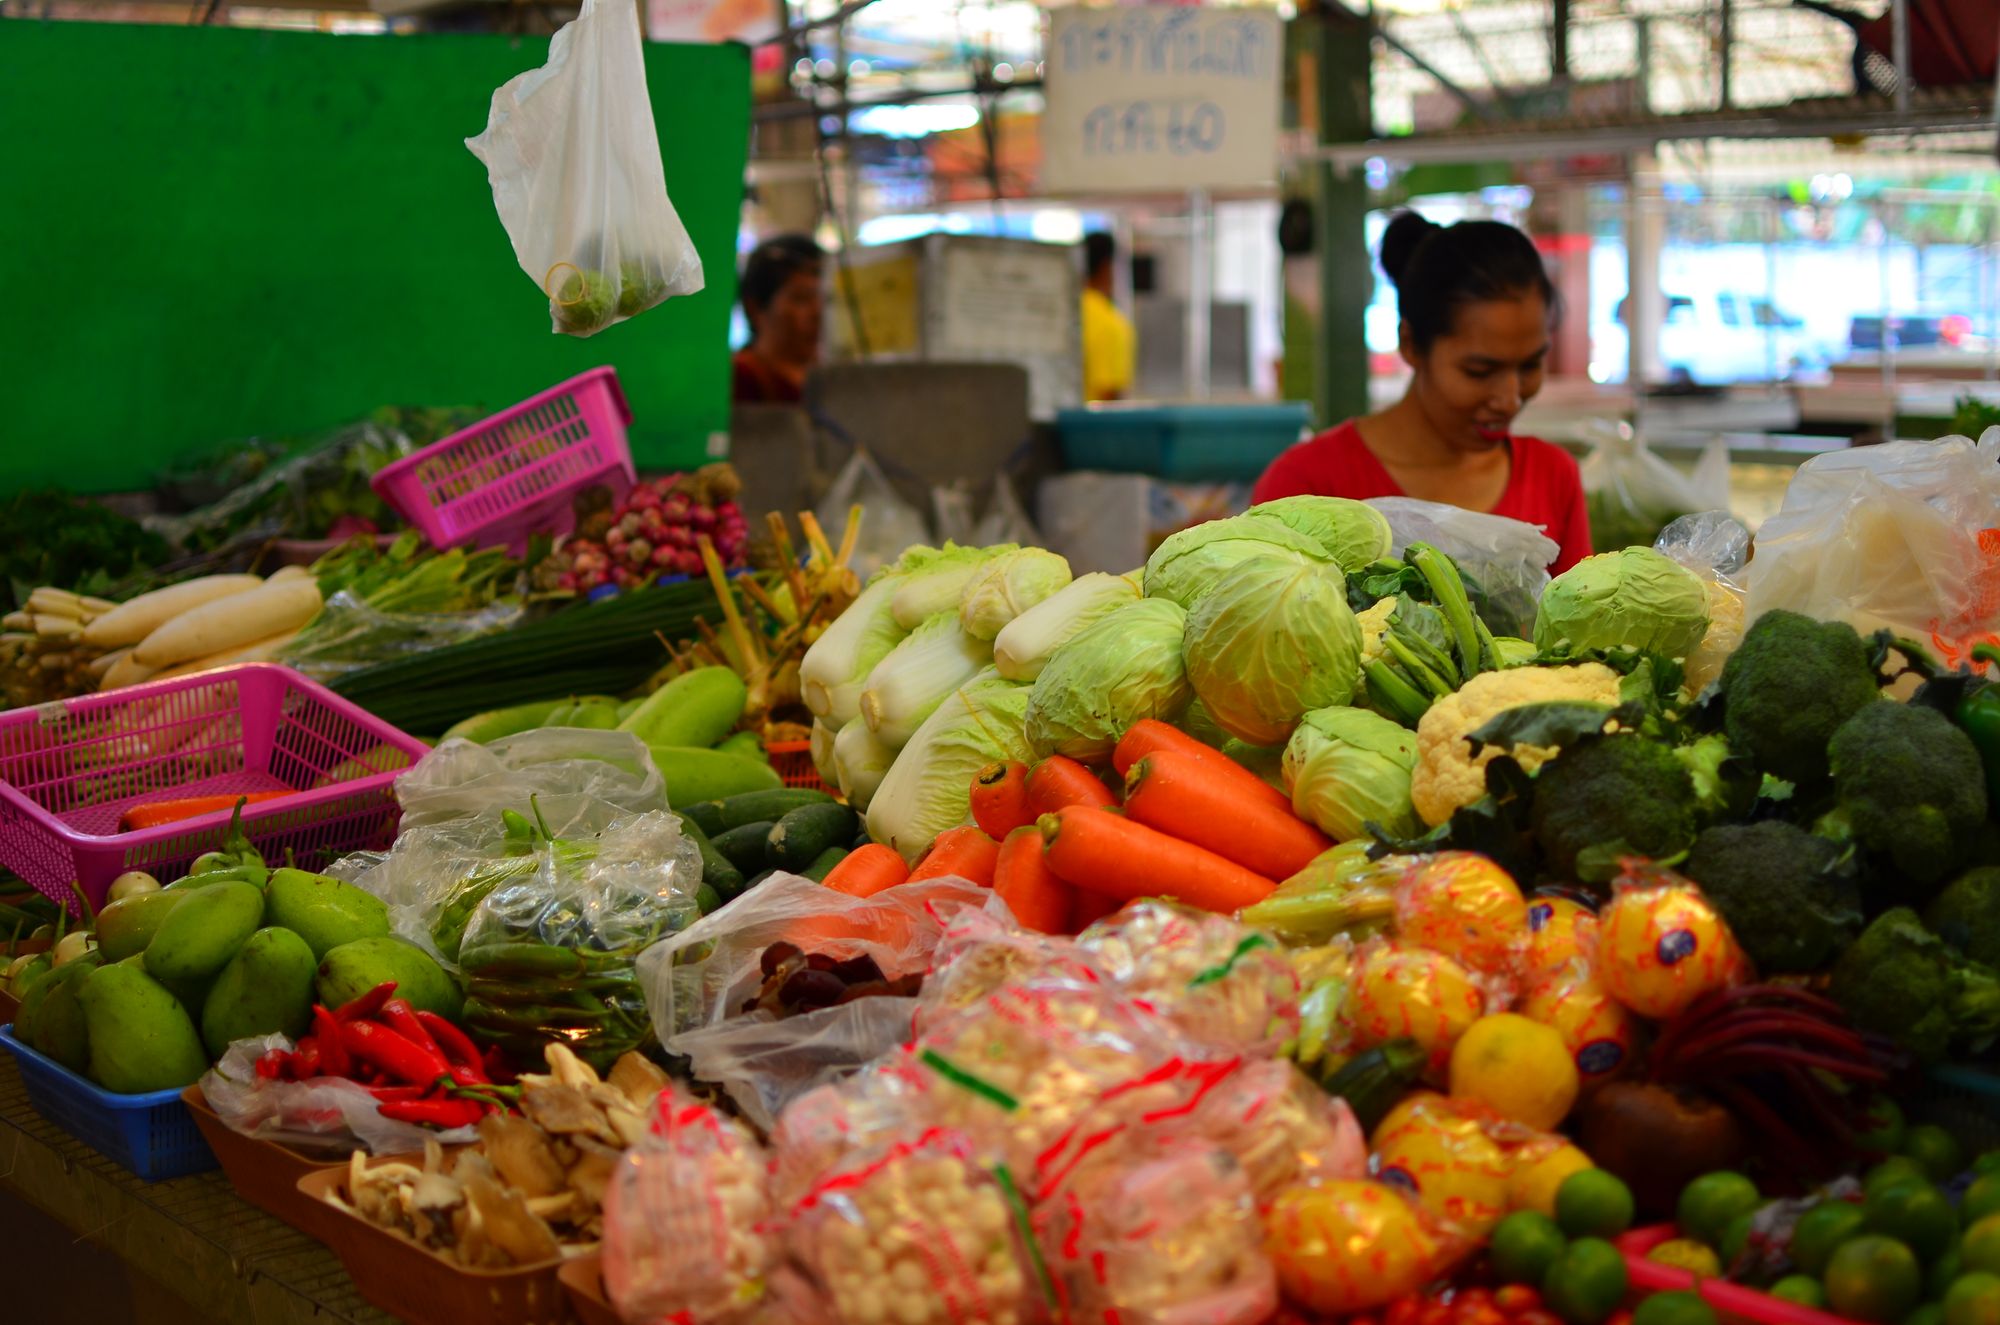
(1734, 1303)
(69, 769)
(517, 473)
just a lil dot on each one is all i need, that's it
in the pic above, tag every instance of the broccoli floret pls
(1912, 787)
(1787, 689)
(1899, 979)
(1967, 915)
(1623, 794)
(1784, 892)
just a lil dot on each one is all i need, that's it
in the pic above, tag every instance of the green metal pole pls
(1346, 274)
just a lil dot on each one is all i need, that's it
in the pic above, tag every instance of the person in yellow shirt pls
(1110, 348)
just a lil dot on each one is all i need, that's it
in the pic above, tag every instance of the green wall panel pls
(215, 233)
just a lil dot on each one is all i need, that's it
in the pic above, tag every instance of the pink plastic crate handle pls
(1729, 1300)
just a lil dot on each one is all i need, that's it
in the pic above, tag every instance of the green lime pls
(1980, 1247)
(1709, 1202)
(1981, 1199)
(1593, 1203)
(1883, 1128)
(1987, 1163)
(1943, 1271)
(1936, 1149)
(1914, 1213)
(1525, 1244)
(1682, 1308)
(1973, 1299)
(1822, 1229)
(1586, 1283)
(1729, 1247)
(1802, 1289)
(1930, 1313)
(1874, 1279)
(1896, 1168)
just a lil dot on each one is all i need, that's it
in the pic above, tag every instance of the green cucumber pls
(700, 774)
(861, 838)
(758, 878)
(705, 815)
(798, 839)
(739, 810)
(823, 864)
(1374, 1081)
(744, 847)
(695, 708)
(495, 723)
(628, 708)
(716, 869)
(747, 744)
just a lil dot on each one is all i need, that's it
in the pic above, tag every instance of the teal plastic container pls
(1186, 443)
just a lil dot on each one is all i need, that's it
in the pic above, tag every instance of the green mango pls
(60, 1029)
(127, 926)
(267, 987)
(25, 979)
(199, 936)
(141, 1038)
(352, 969)
(324, 912)
(34, 992)
(254, 875)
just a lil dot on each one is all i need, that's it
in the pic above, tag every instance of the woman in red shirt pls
(1476, 306)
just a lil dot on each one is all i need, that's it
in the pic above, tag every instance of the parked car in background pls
(1714, 338)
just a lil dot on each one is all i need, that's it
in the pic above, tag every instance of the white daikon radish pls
(283, 573)
(230, 623)
(124, 672)
(128, 623)
(263, 650)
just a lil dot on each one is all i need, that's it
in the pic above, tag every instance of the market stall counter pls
(193, 1236)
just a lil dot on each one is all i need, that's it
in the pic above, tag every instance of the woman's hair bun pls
(1406, 233)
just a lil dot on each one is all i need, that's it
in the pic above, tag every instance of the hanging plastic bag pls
(889, 524)
(574, 161)
(1505, 562)
(1904, 536)
(1632, 494)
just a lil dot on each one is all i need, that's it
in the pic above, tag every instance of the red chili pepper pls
(368, 1004)
(455, 1044)
(387, 1094)
(400, 1017)
(436, 1113)
(306, 1063)
(381, 1048)
(271, 1065)
(332, 1052)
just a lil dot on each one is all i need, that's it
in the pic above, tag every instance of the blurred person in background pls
(784, 298)
(1110, 347)
(1476, 308)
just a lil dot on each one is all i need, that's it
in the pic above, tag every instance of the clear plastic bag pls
(889, 524)
(1715, 546)
(1904, 536)
(574, 160)
(1506, 562)
(1006, 520)
(686, 1213)
(1225, 987)
(326, 1114)
(350, 634)
(1633, 494)
(698, 981)
(1281, 1128)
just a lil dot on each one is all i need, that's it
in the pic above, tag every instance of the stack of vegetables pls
(654, 531)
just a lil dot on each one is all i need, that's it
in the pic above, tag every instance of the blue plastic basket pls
(153, 1134)
(1196, 443)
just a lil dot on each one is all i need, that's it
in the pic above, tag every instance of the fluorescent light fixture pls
(914, 121)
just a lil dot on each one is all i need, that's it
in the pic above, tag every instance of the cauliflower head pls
(1448, 776)
(1374, 623)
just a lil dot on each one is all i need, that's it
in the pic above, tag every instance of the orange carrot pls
(151, 814)
(1000, 798)
(1149, 735)
(868, 870)
(1112, 855)
(1087, 908)
(964, 852)
(1058, 781)
(1191, 799)
(1038, 899)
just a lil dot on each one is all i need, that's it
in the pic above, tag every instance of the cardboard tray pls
(583, 1279)
(263, 1173)
(421, 1287)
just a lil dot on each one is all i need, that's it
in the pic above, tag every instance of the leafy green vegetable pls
(1271, 641)
(1634, 598)
(1346, 767)
(1125, 667)
(71, 543)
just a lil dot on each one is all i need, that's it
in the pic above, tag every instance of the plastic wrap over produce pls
(699, 981)
(1716, 547)
(688, 1233)
(325, 1114)
(1505, 563)
(1226, 988)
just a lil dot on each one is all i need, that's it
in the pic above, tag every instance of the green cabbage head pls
(1273, 640)
(1188, 564)
(1346, 766)
(1125, 667)
(1636, 598)
(1353, 533)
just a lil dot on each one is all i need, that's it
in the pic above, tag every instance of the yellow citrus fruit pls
(1347, 1246)
(1402, 1112)
(1452, 1169)
(1463, 905)
(1687, 1254)
(1560, 934)
(1538, 1176)
(1601, 1035)
(1661, 948)
(1412, 993)
(1519, 1068)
